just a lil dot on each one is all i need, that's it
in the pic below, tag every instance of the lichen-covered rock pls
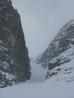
(14, 60)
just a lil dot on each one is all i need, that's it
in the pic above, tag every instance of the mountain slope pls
(60, 50)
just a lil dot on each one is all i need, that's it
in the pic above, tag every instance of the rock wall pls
(14, 60)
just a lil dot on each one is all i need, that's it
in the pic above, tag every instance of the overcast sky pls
(42, 19)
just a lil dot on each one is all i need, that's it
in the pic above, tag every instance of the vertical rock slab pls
(14, 60)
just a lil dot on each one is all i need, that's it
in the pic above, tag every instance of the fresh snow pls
(48, 89)
(36, 87)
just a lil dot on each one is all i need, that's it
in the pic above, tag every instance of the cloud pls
(42, 19)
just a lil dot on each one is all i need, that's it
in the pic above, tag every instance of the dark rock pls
(14, 60)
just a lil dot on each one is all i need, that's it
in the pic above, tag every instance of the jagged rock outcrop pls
(14, 60)
(60, 50)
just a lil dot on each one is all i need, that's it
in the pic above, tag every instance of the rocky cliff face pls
(14, 60)
(60, 50)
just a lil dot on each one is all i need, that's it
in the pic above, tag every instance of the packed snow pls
(37, 87)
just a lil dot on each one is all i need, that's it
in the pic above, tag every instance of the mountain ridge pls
(53, 56)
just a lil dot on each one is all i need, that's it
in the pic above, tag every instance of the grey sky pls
(42, 19)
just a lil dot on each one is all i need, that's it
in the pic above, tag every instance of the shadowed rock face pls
(14, 60)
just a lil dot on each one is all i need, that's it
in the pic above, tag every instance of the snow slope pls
(55, 87)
